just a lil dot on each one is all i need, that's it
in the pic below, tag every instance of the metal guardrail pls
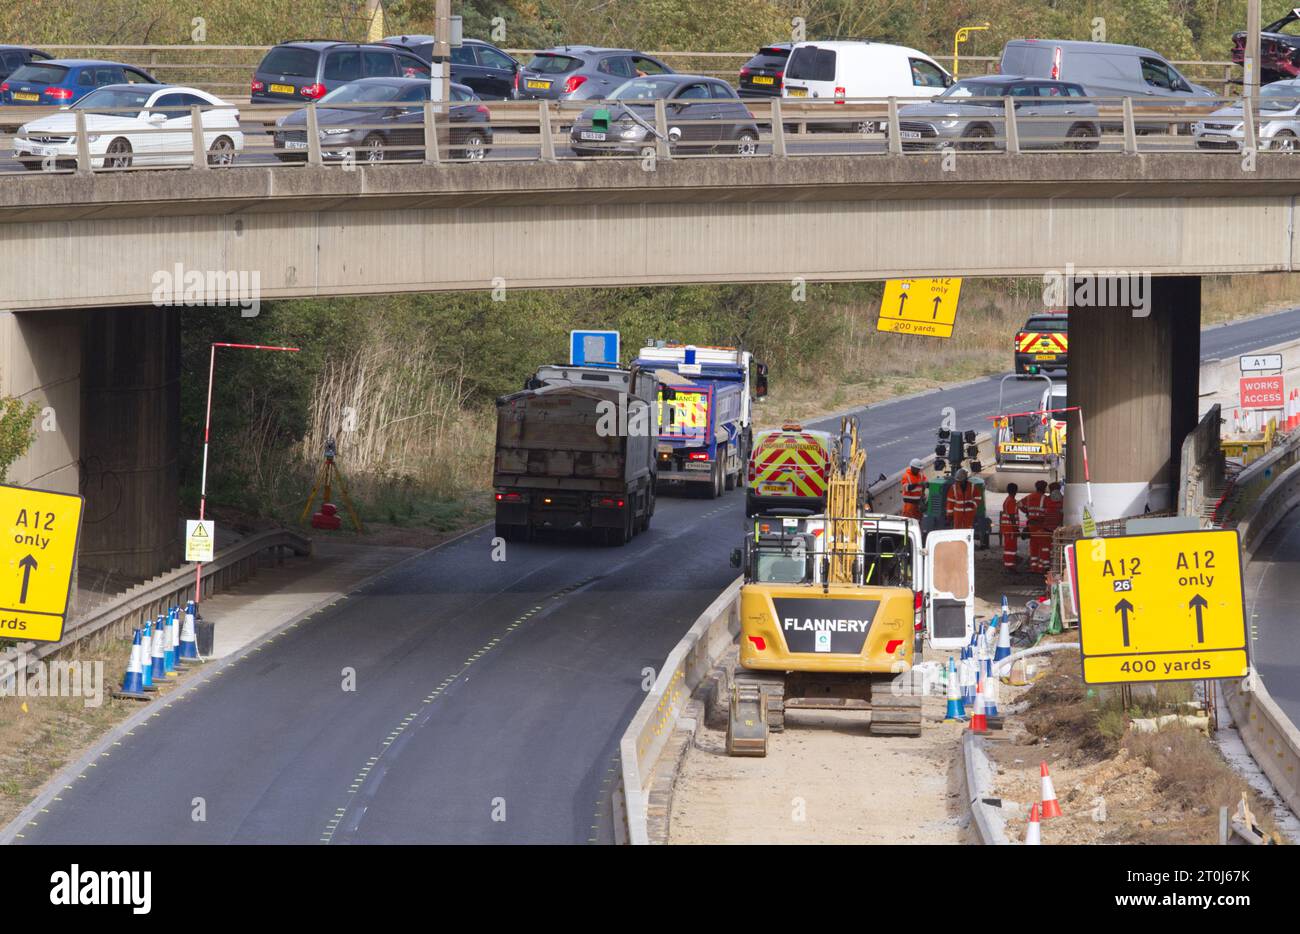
(146, 601)
(549, 131)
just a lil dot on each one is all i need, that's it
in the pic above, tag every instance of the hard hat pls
(962, 474)
(917, 463)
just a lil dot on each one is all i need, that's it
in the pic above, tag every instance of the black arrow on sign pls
(902, 300)
(1200, 603)
(937, 300)
(28, 564)
(1124, 608)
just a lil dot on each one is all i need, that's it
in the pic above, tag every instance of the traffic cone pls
(967, 677)
(157, 652)
(979, 722)
(1034, 830)
(188, 650)
(956, 710)
(1236, 422)
(1051, 807)
(146, 656)
(133, 680)
(991, 703)
(1004, 637)
(169, 647)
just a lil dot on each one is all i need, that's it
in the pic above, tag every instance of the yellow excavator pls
(835, 608)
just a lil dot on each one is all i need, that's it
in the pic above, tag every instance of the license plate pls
(775, 489)
(909, 134)
(38, 150)
(1044, 356)
(19, 96)
(1207, 137)
(295, 144)
(538, 85)
(282, 89)
(592, 135)
(797, 92)
(763, 79)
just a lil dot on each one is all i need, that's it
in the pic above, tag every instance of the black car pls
(703, 115)
(13, 57)
(479, 65)
(383, 118)
(308, 69)
(762, 75)
(1279, 48)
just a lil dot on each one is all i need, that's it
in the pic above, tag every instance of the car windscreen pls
(357, 93)
(548, 64)
(40, 74)
(782, 565)
(1279, 96)
(768, 58)
(113, 100)
(975, 92)
(811, 63)
(1048, 324)
(300, 63)
(643, 89)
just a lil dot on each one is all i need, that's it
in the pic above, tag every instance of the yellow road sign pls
(40, 530)
(1162, 607)
(919, 306)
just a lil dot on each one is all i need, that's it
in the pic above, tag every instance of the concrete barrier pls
(645, 738)
(986, 818)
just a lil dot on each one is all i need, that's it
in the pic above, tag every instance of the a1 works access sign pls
(39, 546)
(1165, 607)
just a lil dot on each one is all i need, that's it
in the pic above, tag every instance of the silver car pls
(580, 72)
(1278, 121)
(971, 115)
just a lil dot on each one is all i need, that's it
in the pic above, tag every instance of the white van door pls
(950, 587)
(811, 71)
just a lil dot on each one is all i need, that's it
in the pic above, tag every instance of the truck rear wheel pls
(715, 481)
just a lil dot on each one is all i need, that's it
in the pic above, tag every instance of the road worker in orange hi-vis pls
(1009, 526)
(913, 486)
(962, 502)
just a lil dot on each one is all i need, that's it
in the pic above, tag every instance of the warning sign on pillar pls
(1262, 392)
(199, 537)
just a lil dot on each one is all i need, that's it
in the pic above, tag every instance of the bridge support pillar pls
(1134, 370)
(130, 399)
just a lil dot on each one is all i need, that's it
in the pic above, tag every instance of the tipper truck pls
(705, 425)
(575, 451)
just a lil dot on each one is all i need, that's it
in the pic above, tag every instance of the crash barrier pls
(686, 666)
(145, 602)
(550, 131)
(1248, 486)
(1201, 466)
(219, 68)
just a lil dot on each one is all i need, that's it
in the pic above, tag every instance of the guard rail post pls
(895, 139)
(431, 154)
(313, 137)
(1130, 128)
(83, 145)
(778, 130)
(545, 132)
(661, 128)
(1012, 128)
(196, 138)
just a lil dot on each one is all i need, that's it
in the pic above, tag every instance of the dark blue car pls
(61, 81)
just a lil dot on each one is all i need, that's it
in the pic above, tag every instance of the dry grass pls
(1227, 298)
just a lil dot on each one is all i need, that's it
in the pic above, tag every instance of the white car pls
(132, 124)
(1278, 121)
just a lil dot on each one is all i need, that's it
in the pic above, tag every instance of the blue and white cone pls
(991, 697)
(133, 681)
(188, 650)
(956, 710)
(1004, 639)
(146, 656)
(158, 653)
(169, 650)
(968, 679)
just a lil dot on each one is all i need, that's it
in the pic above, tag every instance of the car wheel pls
(864, 127)
(1081, 137)
(979, 138)
(1284, 141)
(372, 148)
(473, 148)
(118, 154)
(222, 151)
(747, 143)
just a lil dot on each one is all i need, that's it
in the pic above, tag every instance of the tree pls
(16, 431)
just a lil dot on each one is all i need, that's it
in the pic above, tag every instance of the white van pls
(858, 68)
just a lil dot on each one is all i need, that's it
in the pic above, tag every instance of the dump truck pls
(835, 610)
(705, 426)
(575, 451)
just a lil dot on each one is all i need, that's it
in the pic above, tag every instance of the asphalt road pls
(1273, 608)
(484, 689)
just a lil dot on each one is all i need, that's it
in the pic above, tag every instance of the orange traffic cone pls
(1034, 830)
(979, 721)
(1051, 807)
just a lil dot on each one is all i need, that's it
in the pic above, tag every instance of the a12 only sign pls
(41, 530)
(1161, 607)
